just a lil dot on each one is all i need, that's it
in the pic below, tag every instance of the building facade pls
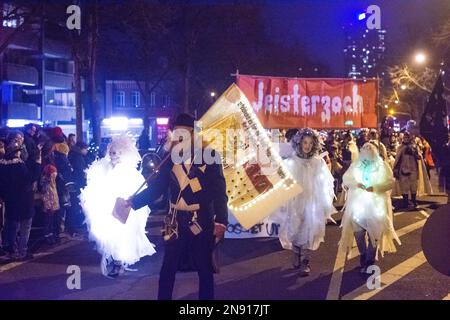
(364, 49)
(37, 73)
(126, 107)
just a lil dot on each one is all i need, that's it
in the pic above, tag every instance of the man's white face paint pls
(368, 153)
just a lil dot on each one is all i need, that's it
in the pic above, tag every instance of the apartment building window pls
(152, 99)
(166, 101)
(119, 98)
(135, 99)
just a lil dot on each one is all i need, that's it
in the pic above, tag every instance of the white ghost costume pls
(303, 223)
(127, 242)
(372, 211)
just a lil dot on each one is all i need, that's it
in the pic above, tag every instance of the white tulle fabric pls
(303, 223)
(124, 242)
(370, 210)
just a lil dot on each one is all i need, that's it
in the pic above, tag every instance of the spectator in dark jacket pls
(30, 142)
(16, 137)
(75, 215)
(76, 157)
(16, 188)
(71, 140)
(60, 156)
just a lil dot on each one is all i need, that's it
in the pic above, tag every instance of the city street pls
(284, 139)
(250, 269)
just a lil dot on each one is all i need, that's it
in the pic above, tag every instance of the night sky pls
(317, 24)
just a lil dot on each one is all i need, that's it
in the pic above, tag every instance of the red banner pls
(314, 103)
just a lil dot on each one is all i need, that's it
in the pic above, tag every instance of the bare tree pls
(84, 52)
(139, 33)
(24, 15)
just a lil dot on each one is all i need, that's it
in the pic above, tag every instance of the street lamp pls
(420, 58)
(403, 87)
(213, 94)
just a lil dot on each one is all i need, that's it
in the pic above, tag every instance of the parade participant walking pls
(303, 226)
(349, 150)
(121, 244)
(374, 139)
(406, 169)
(198, 209)
(368, 211)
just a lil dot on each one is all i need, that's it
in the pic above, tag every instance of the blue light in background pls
(361, 16)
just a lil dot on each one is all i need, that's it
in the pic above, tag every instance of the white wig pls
(126, 146)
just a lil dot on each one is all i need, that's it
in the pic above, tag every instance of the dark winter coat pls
(78, 163)
(16, 188)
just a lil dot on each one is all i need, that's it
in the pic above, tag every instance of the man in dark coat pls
(30, 142)
(76, 157)
(16, 189)
(198, 201)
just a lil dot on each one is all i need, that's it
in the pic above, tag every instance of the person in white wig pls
(368, 209)
(303, 226)
(116, 175)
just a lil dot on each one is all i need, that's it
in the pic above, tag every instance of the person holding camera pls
(198, 213)
(406, 168)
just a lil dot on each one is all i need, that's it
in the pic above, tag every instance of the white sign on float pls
(268, 228)
(257, 181)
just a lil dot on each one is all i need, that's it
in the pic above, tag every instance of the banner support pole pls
(236, 74)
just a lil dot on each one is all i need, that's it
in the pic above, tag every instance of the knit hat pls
(62, 148)
(185, 120)
(57, 134)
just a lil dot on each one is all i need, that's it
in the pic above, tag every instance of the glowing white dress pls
(304, 222)
(370, 210)
(124, 242)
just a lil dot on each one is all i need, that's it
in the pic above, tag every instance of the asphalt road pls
(250, 269)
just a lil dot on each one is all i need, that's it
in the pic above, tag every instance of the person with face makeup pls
(198, 213)
(115, 176)
(303, 226)
(368, 210)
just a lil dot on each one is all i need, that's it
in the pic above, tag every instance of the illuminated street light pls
(213, 94)
(385, 106)
(403, 87)
(396, 102)
(391, 112)
(420, 58)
